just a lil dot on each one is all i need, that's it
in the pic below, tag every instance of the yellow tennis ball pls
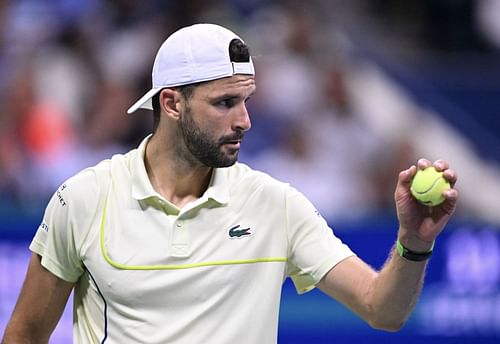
(428, 185)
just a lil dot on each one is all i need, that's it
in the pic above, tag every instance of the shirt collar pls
(142, 188)
(218, 187)
(141, 185)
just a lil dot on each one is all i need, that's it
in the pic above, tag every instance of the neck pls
(178, 180)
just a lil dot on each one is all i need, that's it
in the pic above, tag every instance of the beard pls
(205, 149)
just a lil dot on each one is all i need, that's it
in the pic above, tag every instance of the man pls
(175, 242)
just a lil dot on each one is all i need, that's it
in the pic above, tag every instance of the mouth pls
(235, 144)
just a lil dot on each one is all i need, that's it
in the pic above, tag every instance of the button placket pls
(180, 239)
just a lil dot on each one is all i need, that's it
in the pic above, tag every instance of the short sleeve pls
(65, 224)
(314, 249)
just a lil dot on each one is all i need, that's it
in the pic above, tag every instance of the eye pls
(227, 103)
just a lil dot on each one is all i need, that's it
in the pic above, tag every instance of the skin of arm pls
(383, 299)
(39, 306)
(386, 298)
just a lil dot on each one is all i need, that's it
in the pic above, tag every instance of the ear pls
(170, 102)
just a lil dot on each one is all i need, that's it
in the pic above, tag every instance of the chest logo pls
(236, 232)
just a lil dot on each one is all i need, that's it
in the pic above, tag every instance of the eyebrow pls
(230, 95)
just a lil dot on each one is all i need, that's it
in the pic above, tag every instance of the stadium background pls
(349, 92)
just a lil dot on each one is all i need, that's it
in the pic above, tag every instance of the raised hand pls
(421, 224)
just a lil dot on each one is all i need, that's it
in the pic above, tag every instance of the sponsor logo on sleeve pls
(43, 226)
(59, 195)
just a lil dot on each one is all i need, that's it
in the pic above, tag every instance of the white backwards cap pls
(193, 54)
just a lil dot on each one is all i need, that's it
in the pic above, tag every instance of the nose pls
(242, 118)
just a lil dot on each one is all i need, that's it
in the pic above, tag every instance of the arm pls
(385, 299)
(39, 307)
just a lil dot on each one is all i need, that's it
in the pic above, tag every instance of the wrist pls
(414, 256)
(413, 242)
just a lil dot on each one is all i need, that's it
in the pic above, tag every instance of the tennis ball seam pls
(434, 183)
(429, 188)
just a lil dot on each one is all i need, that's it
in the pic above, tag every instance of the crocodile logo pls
(236, 232)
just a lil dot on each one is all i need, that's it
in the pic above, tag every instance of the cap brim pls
(145, 102)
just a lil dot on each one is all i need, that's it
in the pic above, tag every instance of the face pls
(214, 119)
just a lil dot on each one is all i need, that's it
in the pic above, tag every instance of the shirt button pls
(179, 223)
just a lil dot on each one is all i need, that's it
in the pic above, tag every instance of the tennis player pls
(176, 242)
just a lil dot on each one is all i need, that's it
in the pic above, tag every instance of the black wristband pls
(412, 255)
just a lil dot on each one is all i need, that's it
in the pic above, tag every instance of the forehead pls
(238, 85)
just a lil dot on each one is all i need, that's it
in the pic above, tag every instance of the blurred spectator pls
(64, 73)
(34, 137)
(287, 78)
(328, 153)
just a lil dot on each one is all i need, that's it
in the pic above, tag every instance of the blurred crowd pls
(69, 69)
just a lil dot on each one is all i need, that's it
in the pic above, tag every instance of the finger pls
(441, 164)
(451, 197)
(423, 163)
(450, 176)
(406, 176)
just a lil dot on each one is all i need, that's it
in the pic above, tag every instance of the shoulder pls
(82, 190)
(243, 176)
(252, 188)
(268, 189)
(94, 179)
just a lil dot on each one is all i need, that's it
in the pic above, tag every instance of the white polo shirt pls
(211, 272)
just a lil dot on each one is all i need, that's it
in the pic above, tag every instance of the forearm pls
(39, 307)
(17, 335)
(395, 290)
(24, 327)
